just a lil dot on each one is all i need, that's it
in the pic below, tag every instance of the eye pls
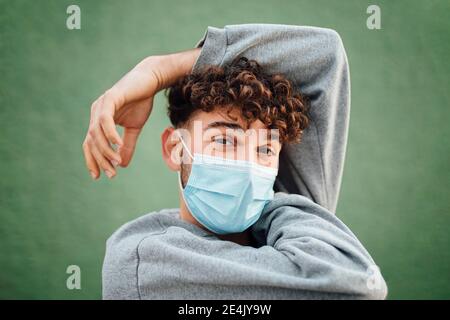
(266, 151)
(223, 140)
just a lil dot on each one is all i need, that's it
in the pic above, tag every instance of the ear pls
(171, 149)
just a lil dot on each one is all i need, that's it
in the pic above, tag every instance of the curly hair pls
(242, 84)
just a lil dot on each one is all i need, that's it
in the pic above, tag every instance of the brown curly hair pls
(242, 84)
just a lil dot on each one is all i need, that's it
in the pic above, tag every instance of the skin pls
(221, 135)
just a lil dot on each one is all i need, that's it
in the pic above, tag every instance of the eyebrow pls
(231, 125)
(234, 125)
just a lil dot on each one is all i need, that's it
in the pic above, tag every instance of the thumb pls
(130, 137)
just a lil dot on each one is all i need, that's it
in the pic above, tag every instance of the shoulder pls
(150, 223)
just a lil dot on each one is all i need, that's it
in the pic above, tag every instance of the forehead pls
(223, 114)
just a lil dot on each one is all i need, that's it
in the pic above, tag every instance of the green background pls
(396, 181)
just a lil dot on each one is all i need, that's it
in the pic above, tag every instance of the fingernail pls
(109, 174)
(93, 175)
(114, 163)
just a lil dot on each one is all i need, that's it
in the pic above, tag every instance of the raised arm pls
(314, 59)
(128, 103)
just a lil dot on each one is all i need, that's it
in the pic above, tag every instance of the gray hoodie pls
(301, 250)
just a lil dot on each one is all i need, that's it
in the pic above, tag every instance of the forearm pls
(169, 68)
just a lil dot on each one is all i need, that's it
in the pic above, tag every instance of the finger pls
(91, 164)
(126, 151)
(103, 145)
(110, 100)
(94, 107)
(102, 162)
(109, 127)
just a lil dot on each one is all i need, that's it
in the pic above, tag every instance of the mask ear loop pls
(189, 153)
(179, 172)
(184, 145)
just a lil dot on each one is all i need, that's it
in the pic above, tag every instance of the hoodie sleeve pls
(315, 61)
(327, 255)
(306, 252)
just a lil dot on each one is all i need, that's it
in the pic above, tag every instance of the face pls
(221, 134)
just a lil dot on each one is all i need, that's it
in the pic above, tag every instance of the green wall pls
(396, 182)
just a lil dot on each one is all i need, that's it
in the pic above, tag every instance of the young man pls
(232, 238)
(235, 119)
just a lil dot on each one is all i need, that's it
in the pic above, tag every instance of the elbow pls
(334, 47)
(333, 40)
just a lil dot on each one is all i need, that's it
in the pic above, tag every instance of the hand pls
(129, 104)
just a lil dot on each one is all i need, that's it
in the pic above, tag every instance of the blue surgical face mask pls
(225, 195)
